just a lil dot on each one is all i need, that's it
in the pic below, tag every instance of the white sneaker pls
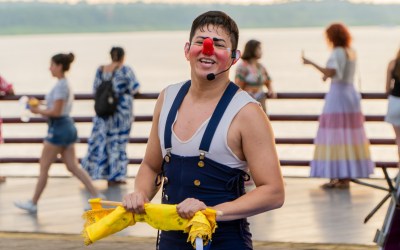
(26, 205)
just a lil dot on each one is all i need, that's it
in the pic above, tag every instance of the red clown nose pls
(208, 47)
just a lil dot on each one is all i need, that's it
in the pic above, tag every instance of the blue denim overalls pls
(203, 179)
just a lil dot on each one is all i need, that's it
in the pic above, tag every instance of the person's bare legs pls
(49, 155)
(70, 160)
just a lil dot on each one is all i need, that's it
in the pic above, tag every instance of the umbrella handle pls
(117, 203)
(109, 203)
(199, 243)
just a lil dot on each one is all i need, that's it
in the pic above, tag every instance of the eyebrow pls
(215, 39)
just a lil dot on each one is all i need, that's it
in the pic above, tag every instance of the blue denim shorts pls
(62, 131)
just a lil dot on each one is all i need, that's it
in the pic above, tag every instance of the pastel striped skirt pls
(341, 145)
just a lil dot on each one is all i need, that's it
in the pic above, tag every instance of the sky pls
(204, 1)
(238, 1)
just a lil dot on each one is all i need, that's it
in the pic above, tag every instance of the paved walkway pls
(23, 241)
(311, 217)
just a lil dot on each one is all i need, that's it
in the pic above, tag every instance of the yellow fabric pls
(102, 222)
(342, 152)
(116, 220)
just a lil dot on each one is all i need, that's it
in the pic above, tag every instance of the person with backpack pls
(114, 86)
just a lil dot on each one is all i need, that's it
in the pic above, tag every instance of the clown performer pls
(199, 156)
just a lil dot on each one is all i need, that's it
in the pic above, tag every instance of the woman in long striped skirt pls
(341, 146)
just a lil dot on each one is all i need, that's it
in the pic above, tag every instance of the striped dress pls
(106, 156)
(341, 145)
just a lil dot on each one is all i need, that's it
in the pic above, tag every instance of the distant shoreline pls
(94, 32)
(22, 18)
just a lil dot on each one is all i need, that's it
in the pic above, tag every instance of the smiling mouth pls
(207, 61)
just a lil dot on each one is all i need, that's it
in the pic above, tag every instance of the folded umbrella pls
(101, 222)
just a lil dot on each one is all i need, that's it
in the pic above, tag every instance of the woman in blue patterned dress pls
(106, 157)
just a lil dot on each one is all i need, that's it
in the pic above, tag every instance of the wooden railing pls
(148, 118)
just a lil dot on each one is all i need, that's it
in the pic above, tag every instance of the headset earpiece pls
(235, 54)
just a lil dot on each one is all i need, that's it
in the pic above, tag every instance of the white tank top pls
(219, 150)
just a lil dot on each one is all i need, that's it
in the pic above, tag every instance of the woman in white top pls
(61, 134)
(341, 146)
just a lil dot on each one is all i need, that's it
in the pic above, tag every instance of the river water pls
(158, 60)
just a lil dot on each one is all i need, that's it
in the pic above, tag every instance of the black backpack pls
(105, 98)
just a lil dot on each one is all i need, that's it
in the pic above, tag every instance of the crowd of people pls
(201, 140)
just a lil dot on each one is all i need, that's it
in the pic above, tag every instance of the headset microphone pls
(212, 76)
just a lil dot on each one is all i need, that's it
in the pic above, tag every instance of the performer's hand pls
(187, 208)
(134, 202)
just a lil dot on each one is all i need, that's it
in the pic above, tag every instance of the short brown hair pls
(218, 19)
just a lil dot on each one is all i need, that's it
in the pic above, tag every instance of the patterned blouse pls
(250, 75)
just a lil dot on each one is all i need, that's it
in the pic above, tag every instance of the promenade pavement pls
(311, 218)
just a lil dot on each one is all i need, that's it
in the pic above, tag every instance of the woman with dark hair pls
(61, 134)
(393, 90)
(341, 146)
(252, 76)
(106, 156)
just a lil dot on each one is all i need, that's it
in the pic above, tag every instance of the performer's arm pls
(145, 188)
(257, 142)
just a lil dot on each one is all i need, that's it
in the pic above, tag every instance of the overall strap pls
(223, 103)
(172, 114)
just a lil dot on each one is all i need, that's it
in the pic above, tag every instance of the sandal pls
(330, 185)
(343, 184)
